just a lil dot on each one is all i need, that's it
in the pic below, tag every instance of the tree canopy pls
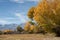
(47, 12)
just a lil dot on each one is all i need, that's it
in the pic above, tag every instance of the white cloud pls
(4, 21)
(18, 14)
(22, 17)
(22, 1)
(9, 20)
(17, 1)
(19, 18)
(34, 0)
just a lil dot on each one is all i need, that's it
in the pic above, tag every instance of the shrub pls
(1, 32)
(41, 30)
(19, 29)
(8, 32)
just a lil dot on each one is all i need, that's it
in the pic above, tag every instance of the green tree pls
(20, 29)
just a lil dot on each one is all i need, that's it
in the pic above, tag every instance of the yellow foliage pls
(7, 31)
(32, 27)
(27, 26)
(30, 12)
(47, 12)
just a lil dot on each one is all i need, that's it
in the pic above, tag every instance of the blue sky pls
(15, 11)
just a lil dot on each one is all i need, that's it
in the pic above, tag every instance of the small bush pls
(19, 29)
(1, 32)
(8, 32)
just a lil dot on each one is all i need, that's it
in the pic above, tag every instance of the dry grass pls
(28, 37)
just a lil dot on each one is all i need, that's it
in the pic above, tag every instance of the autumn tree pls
(27, 27)
(47, 13)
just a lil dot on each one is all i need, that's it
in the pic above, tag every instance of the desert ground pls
(28, 37)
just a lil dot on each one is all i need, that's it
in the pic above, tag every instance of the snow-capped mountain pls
(10, 26)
